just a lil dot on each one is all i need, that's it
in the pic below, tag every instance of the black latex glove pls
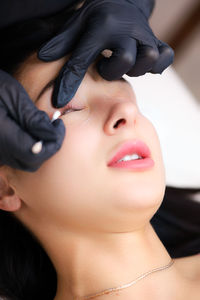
(119, 25)
(12, 11)
(22, 125)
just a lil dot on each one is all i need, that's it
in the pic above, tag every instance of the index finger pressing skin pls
(74, 70)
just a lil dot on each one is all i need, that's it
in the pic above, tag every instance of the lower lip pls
(134, 165)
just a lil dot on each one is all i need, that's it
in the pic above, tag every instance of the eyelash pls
(70, 108)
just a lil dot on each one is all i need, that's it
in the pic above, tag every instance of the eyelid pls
(71, 107)
(49, 85)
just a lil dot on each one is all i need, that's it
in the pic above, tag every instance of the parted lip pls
(128, 148)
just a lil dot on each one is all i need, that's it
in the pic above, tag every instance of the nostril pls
(119, 123)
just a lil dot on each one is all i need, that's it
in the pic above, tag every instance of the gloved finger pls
(32, 162)
(165, 59)
(48, 150)
(73, 72)
(50, 134)
(15, 102)
(121, 60)
(41, 127)
(21, 144)
(63, 43)
(146, 58)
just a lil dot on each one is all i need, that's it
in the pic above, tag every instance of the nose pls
(121, 116)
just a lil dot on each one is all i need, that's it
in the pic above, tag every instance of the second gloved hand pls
(119, 25)
(22, 125)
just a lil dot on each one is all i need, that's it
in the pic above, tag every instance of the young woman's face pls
(76, 188)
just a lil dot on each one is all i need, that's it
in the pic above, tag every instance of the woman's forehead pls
(34, 74)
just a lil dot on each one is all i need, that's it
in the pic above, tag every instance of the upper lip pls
(129, 148)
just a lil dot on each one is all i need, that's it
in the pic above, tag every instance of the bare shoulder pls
(189, 267)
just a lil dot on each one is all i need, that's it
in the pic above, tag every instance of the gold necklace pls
(112, 290)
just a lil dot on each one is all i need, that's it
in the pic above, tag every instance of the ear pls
(9, 201)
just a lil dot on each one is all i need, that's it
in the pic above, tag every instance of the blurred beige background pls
(177, 22)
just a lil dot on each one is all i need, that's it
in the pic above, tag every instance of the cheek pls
(75, 185)
(153, 187)
(140, 190)
(61, 186)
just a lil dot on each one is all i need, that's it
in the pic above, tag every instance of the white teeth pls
(130, 157)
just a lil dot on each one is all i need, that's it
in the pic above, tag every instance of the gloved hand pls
(22, 125)
(119, 25)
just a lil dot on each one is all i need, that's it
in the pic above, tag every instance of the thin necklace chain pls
(112, 290)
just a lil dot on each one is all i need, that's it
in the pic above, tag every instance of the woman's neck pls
(91, 263)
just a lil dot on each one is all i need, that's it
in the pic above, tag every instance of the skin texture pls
(93, 220)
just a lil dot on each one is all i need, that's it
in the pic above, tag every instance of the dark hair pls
(21, 40)
(26, 272)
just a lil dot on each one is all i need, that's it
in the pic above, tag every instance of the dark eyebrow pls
(48, 86)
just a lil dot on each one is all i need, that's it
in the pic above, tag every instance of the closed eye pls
(70, 108)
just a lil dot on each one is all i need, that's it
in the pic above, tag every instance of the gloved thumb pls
(74, 70)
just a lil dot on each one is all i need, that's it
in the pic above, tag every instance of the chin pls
(135, 209)
(139, 194)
